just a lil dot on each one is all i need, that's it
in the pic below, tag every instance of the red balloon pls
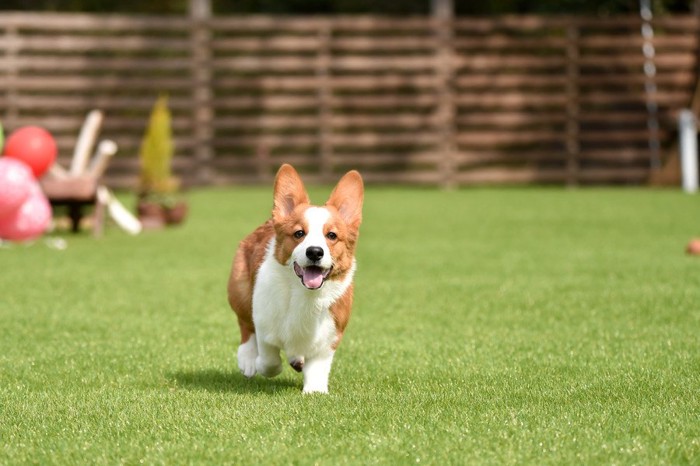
(31, 219)
(34, 146)
(15, 184)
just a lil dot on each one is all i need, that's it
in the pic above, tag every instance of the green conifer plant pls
(158, 201)
(156, 153)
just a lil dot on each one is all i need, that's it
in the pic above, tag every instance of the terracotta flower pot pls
(177, 213)
(151, 215)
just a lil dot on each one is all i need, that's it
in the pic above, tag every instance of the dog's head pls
(317, 243)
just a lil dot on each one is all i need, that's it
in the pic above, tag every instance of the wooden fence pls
(504, 100)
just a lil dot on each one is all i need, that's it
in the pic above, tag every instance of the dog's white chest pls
(289, 316)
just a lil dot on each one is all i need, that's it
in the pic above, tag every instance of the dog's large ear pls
(289, 192)
(347, 197)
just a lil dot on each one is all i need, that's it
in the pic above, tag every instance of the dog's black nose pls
(314, 253)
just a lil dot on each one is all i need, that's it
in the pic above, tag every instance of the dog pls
(291, 282)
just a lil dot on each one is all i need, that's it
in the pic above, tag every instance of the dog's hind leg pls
(297, 362)
(268, 362)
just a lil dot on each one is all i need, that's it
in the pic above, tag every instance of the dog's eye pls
(331, 236)
(299, 234)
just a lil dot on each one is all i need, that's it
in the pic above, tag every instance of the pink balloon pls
(30, 220)
(16, 178)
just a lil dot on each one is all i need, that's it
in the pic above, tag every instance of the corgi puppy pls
(291, 282)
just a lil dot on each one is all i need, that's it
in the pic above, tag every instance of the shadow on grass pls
(215, 380)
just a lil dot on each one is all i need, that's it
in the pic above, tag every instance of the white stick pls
(86, 140)
(118, 212)
(105, 150)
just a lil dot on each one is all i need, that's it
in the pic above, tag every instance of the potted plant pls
(159, 202)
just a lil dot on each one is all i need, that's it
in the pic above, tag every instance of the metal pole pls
(688, 133)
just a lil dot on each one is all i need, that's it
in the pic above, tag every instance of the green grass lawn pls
(491, 326)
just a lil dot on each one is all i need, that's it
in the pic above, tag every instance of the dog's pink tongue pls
(313, 277)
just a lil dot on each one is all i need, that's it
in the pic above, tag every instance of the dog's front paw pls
(247, 354)
(308, 389)
(316, 372)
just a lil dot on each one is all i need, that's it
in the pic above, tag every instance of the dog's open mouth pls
(312, 276)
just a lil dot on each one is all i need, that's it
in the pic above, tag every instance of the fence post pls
(200, 13)
(650, 89)
(443, 23)
(325, 114)
(573, 145)
(12, 73)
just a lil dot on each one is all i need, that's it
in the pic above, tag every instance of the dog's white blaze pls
(316, 217)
